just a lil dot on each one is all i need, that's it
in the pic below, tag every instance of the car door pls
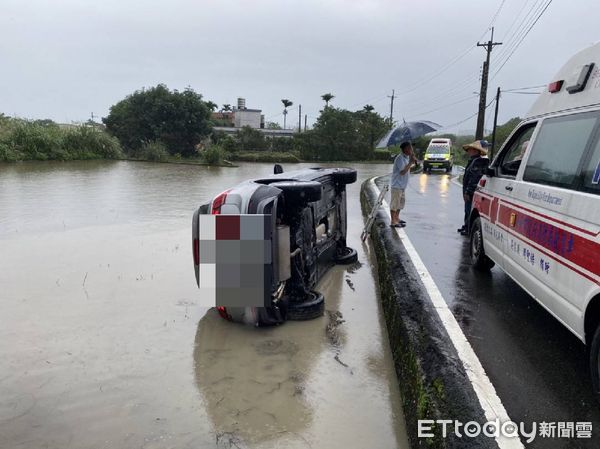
(498, 191)
(542, 216)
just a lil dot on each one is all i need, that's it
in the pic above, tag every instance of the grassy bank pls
(22, 140)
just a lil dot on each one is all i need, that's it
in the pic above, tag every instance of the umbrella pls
(406, 132)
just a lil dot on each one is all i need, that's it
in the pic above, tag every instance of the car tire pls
(479, 260)
(313, 306)
(308, 191)
(595, 363)
(448, 168)
(344, 176)
(346, 256)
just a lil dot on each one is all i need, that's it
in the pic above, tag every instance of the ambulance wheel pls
(478, 258)
(346, 256)
(313, 306)
(595, 363)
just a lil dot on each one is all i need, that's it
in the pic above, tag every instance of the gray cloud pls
(66, 59)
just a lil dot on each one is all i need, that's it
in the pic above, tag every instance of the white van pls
(438, 155)
(536, 213)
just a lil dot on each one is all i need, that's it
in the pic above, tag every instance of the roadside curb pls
(431, 375)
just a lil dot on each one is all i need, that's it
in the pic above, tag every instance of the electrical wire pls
(521, 40)
(468, 118)
(420, 114)
(454, 60)
(525, 22)
(524, 88)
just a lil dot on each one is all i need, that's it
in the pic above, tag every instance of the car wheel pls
(346, 256)
(308, 191)
(478, 258)
(448, 168)
(313, 306)
(344, 175)
(595, 363)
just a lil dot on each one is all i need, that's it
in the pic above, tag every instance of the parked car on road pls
(308, 225)
(536, 213)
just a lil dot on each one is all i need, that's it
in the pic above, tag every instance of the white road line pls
(485, 391)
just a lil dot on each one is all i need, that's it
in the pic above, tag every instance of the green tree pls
(250, 139)
(327, 98)
(502, 132)
(273, 125)
(211, 105)
(372, 126)
(226, 108)
(180, 120)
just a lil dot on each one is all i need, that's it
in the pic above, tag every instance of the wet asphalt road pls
(539, 369)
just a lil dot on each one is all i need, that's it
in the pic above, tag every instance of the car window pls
(558, 148)
(438, 149)
(510, 159)
(591, 171)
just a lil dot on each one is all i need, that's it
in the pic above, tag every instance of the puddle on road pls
(104, 344)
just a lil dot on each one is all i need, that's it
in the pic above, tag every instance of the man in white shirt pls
(399, 181)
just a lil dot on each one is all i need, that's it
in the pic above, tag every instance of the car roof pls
(569, 74)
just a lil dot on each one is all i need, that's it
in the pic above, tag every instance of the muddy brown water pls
(103, 343)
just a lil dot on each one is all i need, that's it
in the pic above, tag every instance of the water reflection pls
(258, 383)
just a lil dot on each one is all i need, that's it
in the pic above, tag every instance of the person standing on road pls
(400, 172)
(473, 172)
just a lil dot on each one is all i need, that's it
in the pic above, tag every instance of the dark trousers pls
(468, 204)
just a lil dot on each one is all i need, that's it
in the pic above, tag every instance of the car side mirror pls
(490, 171)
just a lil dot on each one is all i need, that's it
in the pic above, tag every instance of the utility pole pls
(299, 118)
(495, 124)
(484, 84)
(305, 119)
(392, 107)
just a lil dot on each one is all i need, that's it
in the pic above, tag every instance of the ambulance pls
(536, 212)
(438, 155)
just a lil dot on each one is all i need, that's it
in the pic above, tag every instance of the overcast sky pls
(65, 59)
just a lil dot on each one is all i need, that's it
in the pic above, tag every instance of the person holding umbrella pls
(473, 172)
(403, 135)
(399, 181)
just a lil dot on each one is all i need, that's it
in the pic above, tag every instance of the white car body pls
(539, 205)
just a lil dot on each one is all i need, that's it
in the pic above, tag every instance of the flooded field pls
(104, 344)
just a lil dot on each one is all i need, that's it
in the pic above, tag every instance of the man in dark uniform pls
(473, 172)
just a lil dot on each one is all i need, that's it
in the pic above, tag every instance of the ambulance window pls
(558, 149)
(514, 152)
(591, 171)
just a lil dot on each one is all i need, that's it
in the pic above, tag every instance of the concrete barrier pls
(431, 376)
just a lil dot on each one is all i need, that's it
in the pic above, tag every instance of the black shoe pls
(402, 222)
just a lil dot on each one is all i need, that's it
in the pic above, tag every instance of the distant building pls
(240, 116)
(248, 117)
(223, 118)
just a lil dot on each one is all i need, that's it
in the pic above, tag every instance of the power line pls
(455, 59)
(524, 88)
(520, 41)
(419, 114)
(525, 21)
(468, 118)
(504, 38)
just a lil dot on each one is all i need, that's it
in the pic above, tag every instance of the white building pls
(247, 117)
